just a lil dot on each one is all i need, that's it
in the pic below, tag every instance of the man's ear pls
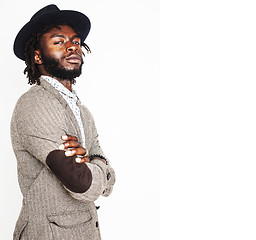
(37, 57)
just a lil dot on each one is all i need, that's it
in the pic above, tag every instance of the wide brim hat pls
(46, 16)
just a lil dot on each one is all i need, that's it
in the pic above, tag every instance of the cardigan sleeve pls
(104, 177)
(38, 124)
(107, 170)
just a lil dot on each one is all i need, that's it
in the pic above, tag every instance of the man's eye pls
(59, 42)
(76, 43)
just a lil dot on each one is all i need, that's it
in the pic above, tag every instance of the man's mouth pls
(74, 58)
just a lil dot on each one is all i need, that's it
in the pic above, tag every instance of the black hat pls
(48, 15)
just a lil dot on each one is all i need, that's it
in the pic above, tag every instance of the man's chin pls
(73, 68)
(61, 71)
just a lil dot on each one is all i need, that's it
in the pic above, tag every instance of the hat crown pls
(46, 16)
(48, 9)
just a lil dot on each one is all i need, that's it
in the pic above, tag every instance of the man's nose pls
(71, 47)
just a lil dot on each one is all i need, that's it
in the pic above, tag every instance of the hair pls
(32, 45)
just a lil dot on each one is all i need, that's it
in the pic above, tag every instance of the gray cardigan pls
(50, 210)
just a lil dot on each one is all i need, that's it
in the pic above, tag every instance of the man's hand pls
(72, 147)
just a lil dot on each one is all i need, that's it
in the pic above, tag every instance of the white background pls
(209, 88)
(120, 86)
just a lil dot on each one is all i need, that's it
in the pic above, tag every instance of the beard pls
(53, 67)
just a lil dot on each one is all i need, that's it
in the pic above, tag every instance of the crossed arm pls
(85, 181)
(68, 164)
(37, 128)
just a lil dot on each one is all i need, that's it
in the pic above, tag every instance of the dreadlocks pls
(33, 44)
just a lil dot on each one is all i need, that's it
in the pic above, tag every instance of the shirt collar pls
(61, 88)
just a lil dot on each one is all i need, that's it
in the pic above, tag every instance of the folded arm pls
(38, 128)
(86, 178)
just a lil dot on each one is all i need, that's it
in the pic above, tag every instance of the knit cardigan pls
(50, 210)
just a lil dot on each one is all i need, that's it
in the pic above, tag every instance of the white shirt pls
(72, 100)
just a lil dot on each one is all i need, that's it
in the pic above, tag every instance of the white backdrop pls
(120, 86)
(210, 91)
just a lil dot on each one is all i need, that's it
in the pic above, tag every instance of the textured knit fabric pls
(72, 100)
(49, 210)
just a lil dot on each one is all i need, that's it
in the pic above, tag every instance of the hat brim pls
(77, 20)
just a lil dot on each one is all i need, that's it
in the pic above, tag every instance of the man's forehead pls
(61, 30)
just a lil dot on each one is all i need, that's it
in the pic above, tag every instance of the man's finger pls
(70, 153)
(75, 151)
(80, 151)
(69, 144)
(82, 160)
(69, 137)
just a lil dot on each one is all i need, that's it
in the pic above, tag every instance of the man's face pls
(60, 53)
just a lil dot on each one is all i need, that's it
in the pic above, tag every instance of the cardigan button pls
(108, 176)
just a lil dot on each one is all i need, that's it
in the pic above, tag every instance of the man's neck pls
(66, 83)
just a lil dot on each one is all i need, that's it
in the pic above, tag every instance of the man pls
(62, 169)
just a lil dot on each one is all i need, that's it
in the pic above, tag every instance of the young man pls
(62, 169)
